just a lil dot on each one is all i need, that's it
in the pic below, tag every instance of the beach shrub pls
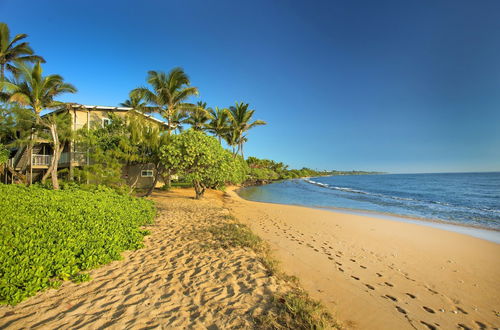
(49, 236)
(4, 157)
(201, 160)
(4, 154)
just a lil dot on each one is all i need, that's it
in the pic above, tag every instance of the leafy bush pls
(4, 154)
(201, 160)
(47, 236)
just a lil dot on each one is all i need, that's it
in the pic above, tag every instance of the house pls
(74, 156)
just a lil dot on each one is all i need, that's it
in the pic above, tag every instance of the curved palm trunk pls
(56, 154)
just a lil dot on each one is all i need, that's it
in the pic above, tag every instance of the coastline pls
(381, 273)
(481, 232)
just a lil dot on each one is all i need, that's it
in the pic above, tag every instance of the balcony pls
(41, 160)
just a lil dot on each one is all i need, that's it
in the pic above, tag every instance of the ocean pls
(471, 199)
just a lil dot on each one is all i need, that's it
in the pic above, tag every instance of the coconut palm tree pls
(38, 92)
(199, 116)
(168, 94)
(135, 102)
(178, 120)
(12, 51)
(219, 124)
(239, 120)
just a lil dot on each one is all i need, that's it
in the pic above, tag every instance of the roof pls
(108, 108)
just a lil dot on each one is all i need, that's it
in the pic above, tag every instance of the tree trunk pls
(199, 189)
(56, 154)
(29, 166)
(168, 176)
(28, 169)
(155, 181)
(242, 155)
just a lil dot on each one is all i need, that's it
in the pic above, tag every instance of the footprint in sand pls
(428, 325)
(428, 309)
(463, 326)
(481, 325)
(391, 297)
(356, 278)
(370, 287)
(389, 284)
(412, 296)
(433, 291)
(364, 267)
(461, 310)
(401, 310)
(378, 274)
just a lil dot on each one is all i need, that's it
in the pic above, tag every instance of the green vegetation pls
(296, 310)
(201, 160)
(265, 170)
(29, 88)
(239, 122)
(48, 236)
(4, 155)
(232, 234)
(13, 51)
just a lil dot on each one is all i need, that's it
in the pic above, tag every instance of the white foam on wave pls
(350, 190)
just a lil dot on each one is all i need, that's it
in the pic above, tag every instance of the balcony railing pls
(41, 160)
(80, 158)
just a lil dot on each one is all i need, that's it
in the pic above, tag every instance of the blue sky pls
(397, 86)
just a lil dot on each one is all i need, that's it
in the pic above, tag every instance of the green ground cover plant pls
(48, 236)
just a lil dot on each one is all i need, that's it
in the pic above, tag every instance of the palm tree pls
(177, 120)
(168, 94)
(136, 103)
(199, 116)
(239, 119)
(12, 51)
(37, 92)
(219, 125)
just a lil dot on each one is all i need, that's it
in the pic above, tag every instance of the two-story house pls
(73, 156)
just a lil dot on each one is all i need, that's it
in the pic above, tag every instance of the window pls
(147, 173)
(106, 122)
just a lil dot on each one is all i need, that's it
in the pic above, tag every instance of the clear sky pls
(397, 86)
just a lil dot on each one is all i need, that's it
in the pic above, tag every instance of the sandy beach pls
(380, 274)
(370, 273)
(174, 282)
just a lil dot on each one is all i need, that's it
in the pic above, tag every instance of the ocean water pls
(471, 199)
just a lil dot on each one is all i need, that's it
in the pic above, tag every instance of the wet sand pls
(374, 273)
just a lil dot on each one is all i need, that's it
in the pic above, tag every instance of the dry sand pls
(174, 282)
(381, 274)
